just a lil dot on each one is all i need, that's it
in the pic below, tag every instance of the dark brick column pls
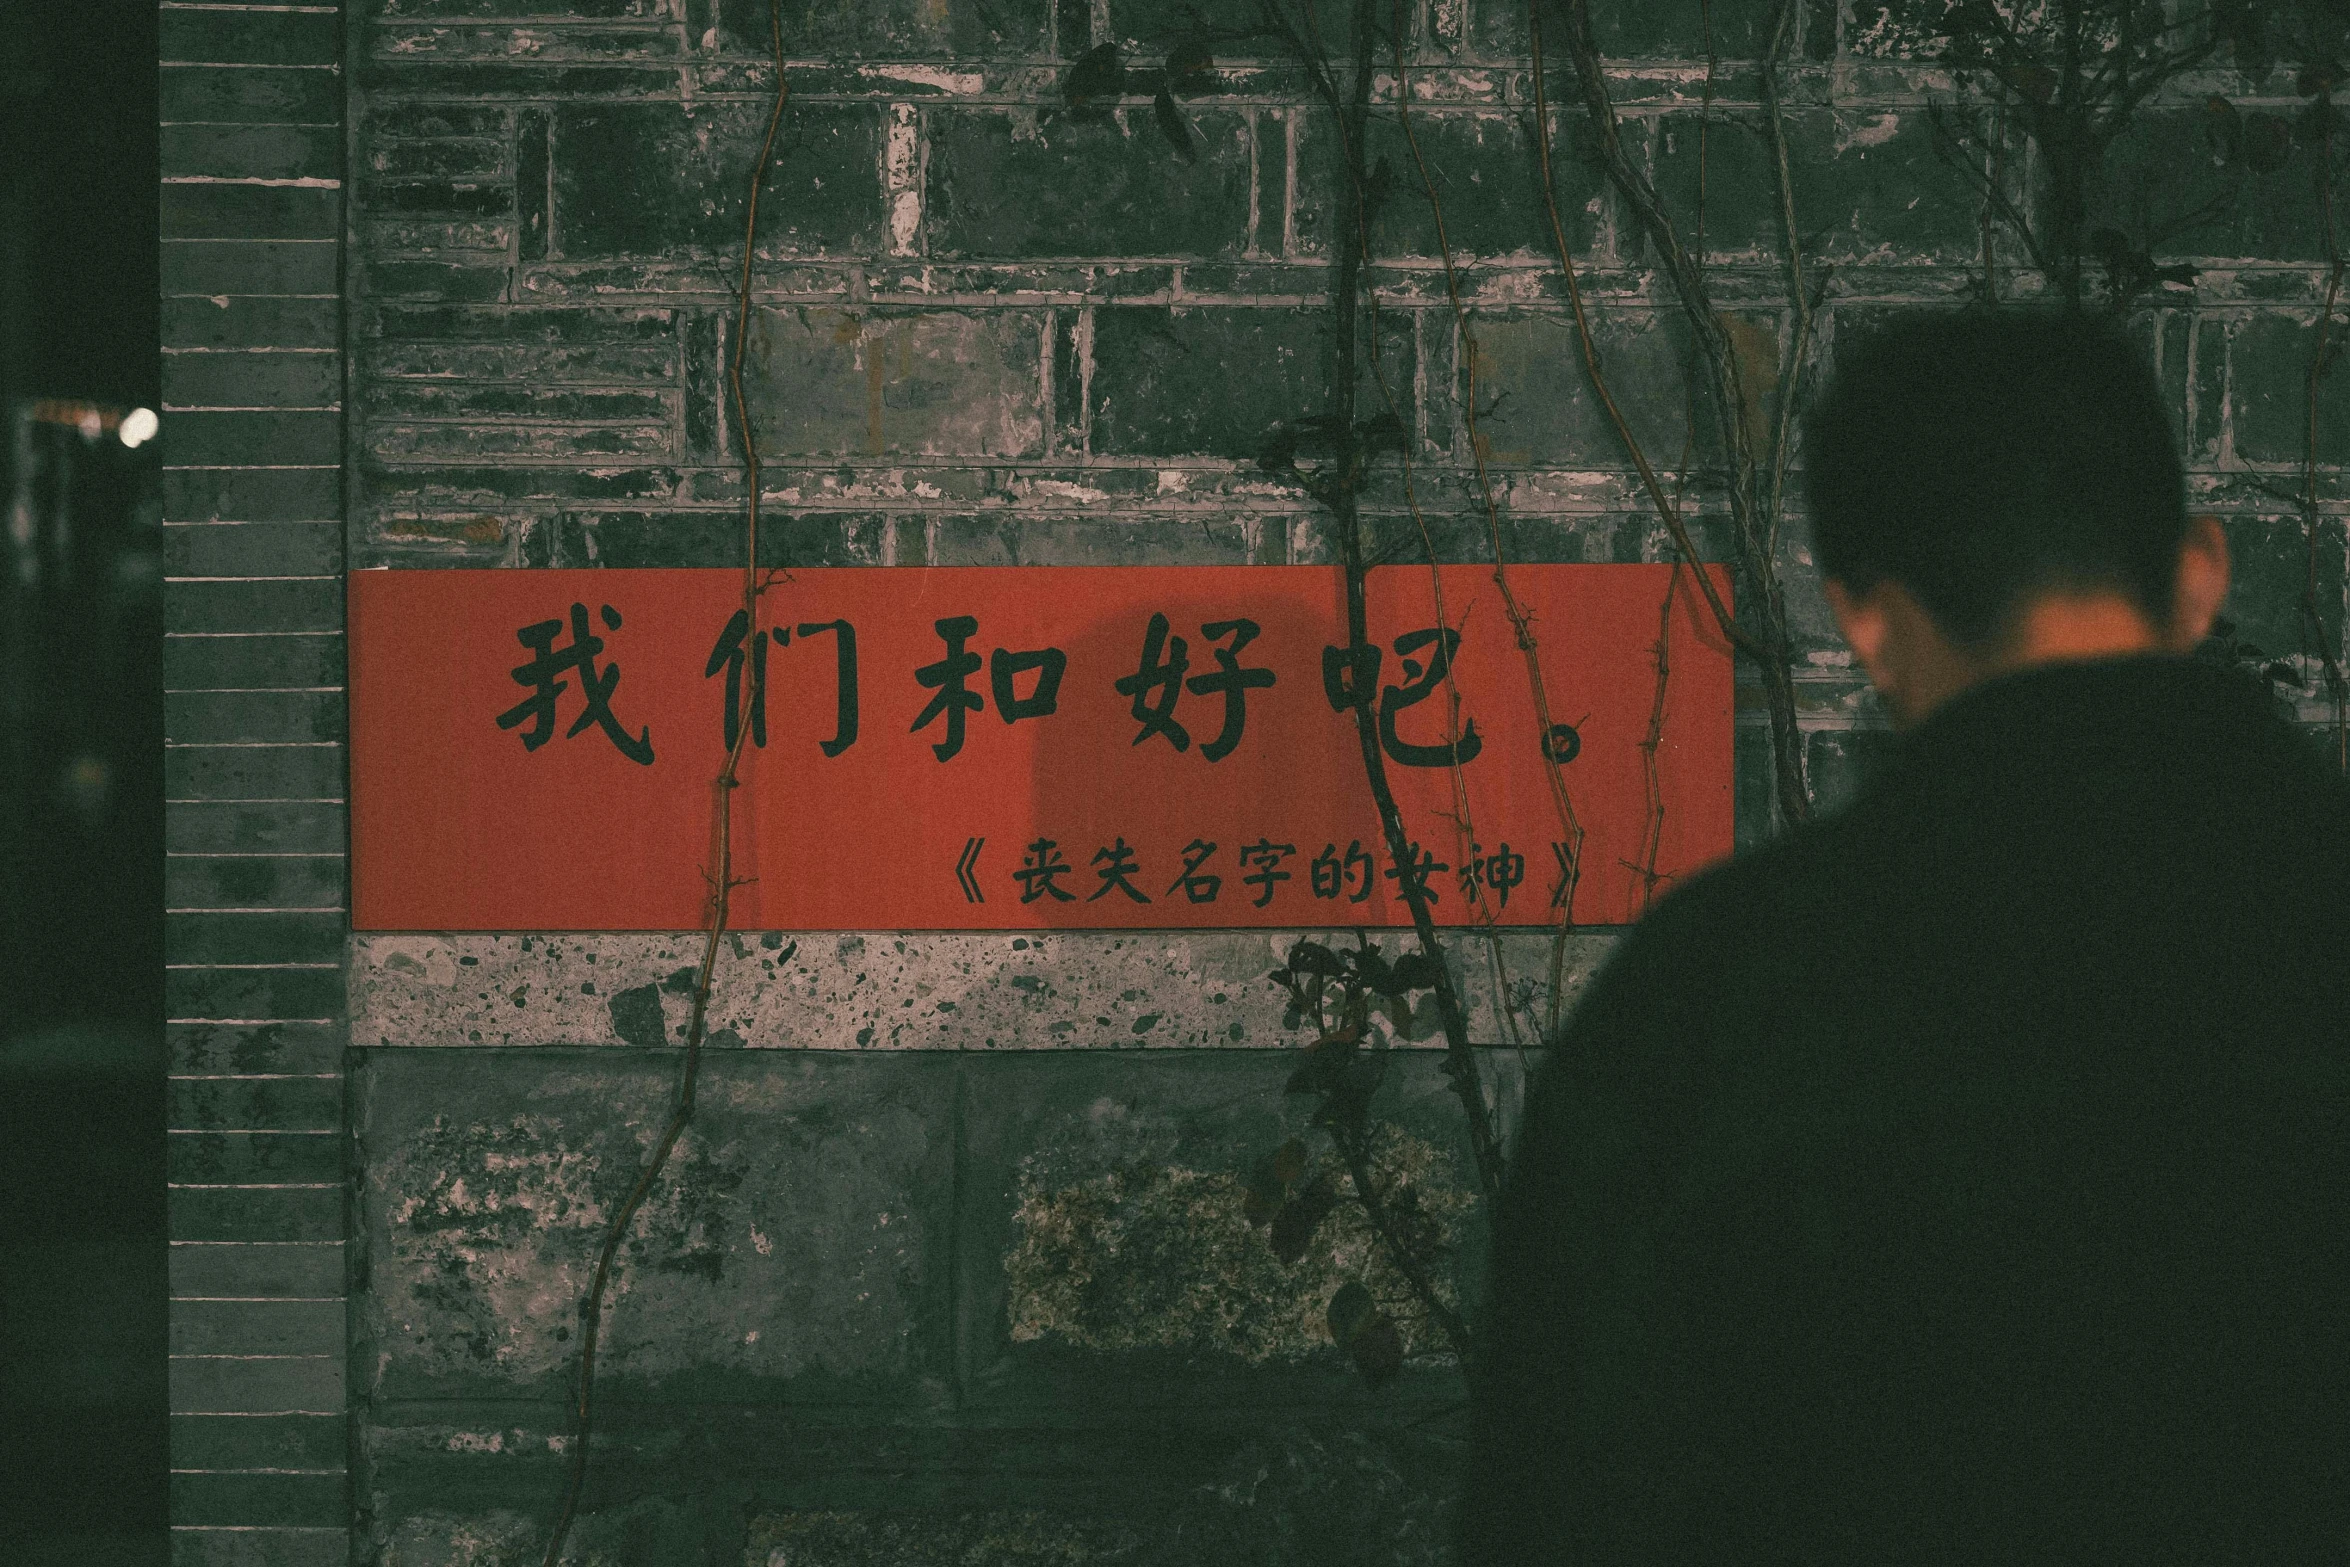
(253, 674)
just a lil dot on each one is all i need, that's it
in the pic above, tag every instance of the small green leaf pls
(1171, 126)
(1311, 957)
(1294, 1225)
(1417, 971)
(1351, 1311)
(1289, 1162)
(1191, 67)
(1096, 75)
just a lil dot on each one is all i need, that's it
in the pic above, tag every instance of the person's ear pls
(2202, 583)
(1860, 616)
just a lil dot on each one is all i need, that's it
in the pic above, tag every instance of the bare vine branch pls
(1358, 1168)
(1342, 495)
(1757, 481)
(1521, 625)
(722, 882)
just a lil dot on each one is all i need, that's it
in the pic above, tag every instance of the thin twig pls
(1762, 633)
(1358, 1168)
(1342, 495)
(1799, 351)
(1521, 624)
(722, 884)
(1723, 619)
(1653, 840)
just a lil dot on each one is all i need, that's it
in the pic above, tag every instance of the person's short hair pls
(1981, 458)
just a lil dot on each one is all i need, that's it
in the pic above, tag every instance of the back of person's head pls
(1982, 458)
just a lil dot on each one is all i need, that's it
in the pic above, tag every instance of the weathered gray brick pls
(524, 77)
(1487, 179)
(2268, 391)
(205, 1384)
(251, 380)
(256, 1104)
(254, 605)
(1868, 187)
(890, 28)
(253, 772)
(257, 716)
(251, 212)
(654, 179)
(235, 95)
(222, 1158)
(251, 495)
(836, 383)
(551, 327)
(473, 281)
(1646, 30)
(715, 538)
(837, 1301)
(260, 1327)
(259, 1441)
(256, 1213)
(206, 36)
(477, 157)
(395, 119)
(289, 826)
(500, 41)
(2163, 186)
(249, 936)
(575, 443)
(250, 266)
(212, 1049)
(252, 992)
(292, 1270)
(261, 881)
(242, 321)
(266, 152)
(1002, 184)
(252, 549)
(1171, 382)
(1530, 375)
(269, 1547)
(538, 364)
(996, 539)
(236, 663)
(482, 198)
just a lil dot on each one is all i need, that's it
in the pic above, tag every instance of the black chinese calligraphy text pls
(596, 687)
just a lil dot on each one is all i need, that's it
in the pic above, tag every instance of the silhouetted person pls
(1963, 1177)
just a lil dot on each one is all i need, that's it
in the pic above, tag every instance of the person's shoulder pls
(1740, 916)
(1765, 882)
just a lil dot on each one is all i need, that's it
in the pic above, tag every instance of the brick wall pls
(982, 334)
(252, 109)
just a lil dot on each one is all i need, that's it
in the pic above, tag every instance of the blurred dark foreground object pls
(1963, 1178)
(83, 1433)
(82, 1286)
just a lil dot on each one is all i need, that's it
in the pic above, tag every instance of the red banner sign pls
(1018, 748)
